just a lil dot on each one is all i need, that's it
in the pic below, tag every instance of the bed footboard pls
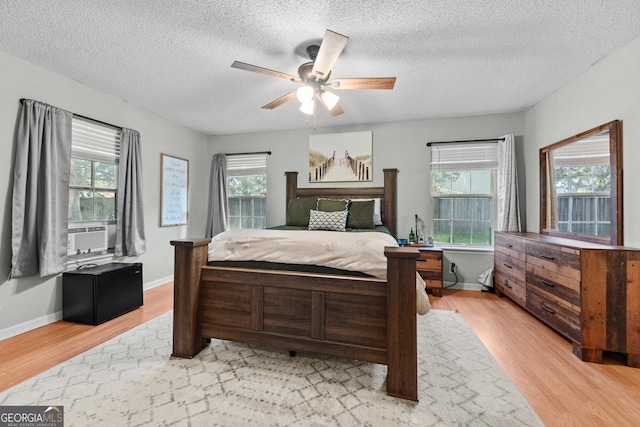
(367, 319)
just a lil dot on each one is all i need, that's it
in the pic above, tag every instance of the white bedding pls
(352, 251)
(361, 251)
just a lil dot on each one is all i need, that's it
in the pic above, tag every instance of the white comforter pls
(361, 251)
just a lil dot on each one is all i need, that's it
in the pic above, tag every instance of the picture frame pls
(341, 157)
(174, 190)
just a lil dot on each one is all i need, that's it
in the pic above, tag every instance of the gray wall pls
(30, 302)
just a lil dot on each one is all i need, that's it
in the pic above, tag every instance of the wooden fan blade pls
(330, 48)
(266, 71)
(364, 83)
(335, 111)
(278, 102)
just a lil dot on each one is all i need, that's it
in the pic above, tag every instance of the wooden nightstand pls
(429, 266)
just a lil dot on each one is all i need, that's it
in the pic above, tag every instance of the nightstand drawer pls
(429, 266)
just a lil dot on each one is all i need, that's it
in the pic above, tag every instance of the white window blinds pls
(95, 141)
(464, 157)
(247, 164)
(587, 152)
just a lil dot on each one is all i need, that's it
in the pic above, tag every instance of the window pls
(247, 192)
(463, 193)
(95, 149)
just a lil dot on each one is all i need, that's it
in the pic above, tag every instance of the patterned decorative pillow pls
(333, 205)
(298, 211)
(334, 221)
(361, 214)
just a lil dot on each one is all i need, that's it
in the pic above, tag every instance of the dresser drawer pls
(511, 287)
(555, 312)
(563, 287)
(509, 245)
(556, 259)
(510, 266)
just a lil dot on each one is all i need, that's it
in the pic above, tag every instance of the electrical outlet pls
(452, 267)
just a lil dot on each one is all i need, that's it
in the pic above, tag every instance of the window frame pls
(464, 158)
(95, 142)
(244, 165)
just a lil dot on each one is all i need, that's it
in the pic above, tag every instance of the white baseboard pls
(29, 325)
(158, 282)
(465, 286)
(54, 317)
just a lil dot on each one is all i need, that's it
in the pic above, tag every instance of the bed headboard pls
(387, 194)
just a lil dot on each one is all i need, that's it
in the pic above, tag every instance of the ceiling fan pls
(315, 77)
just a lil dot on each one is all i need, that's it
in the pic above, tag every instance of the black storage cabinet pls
(97, 294)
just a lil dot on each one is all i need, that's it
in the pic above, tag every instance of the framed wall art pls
(174, 177)
(340, 157)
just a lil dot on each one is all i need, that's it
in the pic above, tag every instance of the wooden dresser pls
(589, 293)
(429, 266)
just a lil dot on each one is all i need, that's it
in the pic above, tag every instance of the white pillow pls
(334, 221)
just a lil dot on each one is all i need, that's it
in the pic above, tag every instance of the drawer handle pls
(509, 245)
(508, 266)
(548, 283)
(547, 309)
(508, 285)
(548, 257)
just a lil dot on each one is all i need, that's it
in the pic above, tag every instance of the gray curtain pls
(40, 190)
(507, 189)
(217, 222)
(130, 238)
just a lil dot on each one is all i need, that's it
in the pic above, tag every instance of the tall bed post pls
(402, 347)
(190, 256)
(391, 200)
(292, 187)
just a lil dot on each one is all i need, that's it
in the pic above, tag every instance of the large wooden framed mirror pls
(581, 186)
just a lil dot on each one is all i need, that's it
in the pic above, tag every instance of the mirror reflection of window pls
(582, 176)
(581, 186)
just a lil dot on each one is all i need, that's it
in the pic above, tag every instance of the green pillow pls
(361, 214)
(333, 205)
(298, 211)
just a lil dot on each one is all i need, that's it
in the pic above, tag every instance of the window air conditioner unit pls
(85, 240)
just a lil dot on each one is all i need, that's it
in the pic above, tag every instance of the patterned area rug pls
(131, 380)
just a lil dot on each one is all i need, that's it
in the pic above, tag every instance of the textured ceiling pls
(451, 57)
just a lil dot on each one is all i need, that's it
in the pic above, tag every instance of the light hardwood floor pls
(563, 390)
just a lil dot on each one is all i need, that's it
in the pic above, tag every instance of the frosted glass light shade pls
(304, 94)
(307, 107)
(330, 99)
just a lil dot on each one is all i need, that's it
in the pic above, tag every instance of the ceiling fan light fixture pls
(307, 107)
(330, 99)
(305, 94)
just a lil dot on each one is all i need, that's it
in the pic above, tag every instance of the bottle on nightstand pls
(412, 237)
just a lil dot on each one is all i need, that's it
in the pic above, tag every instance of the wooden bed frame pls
(361, 318)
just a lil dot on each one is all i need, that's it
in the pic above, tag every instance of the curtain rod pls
(244, 154)
(84, 117)
(465, 140)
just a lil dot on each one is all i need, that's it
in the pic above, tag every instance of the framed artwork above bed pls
(341, 157)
